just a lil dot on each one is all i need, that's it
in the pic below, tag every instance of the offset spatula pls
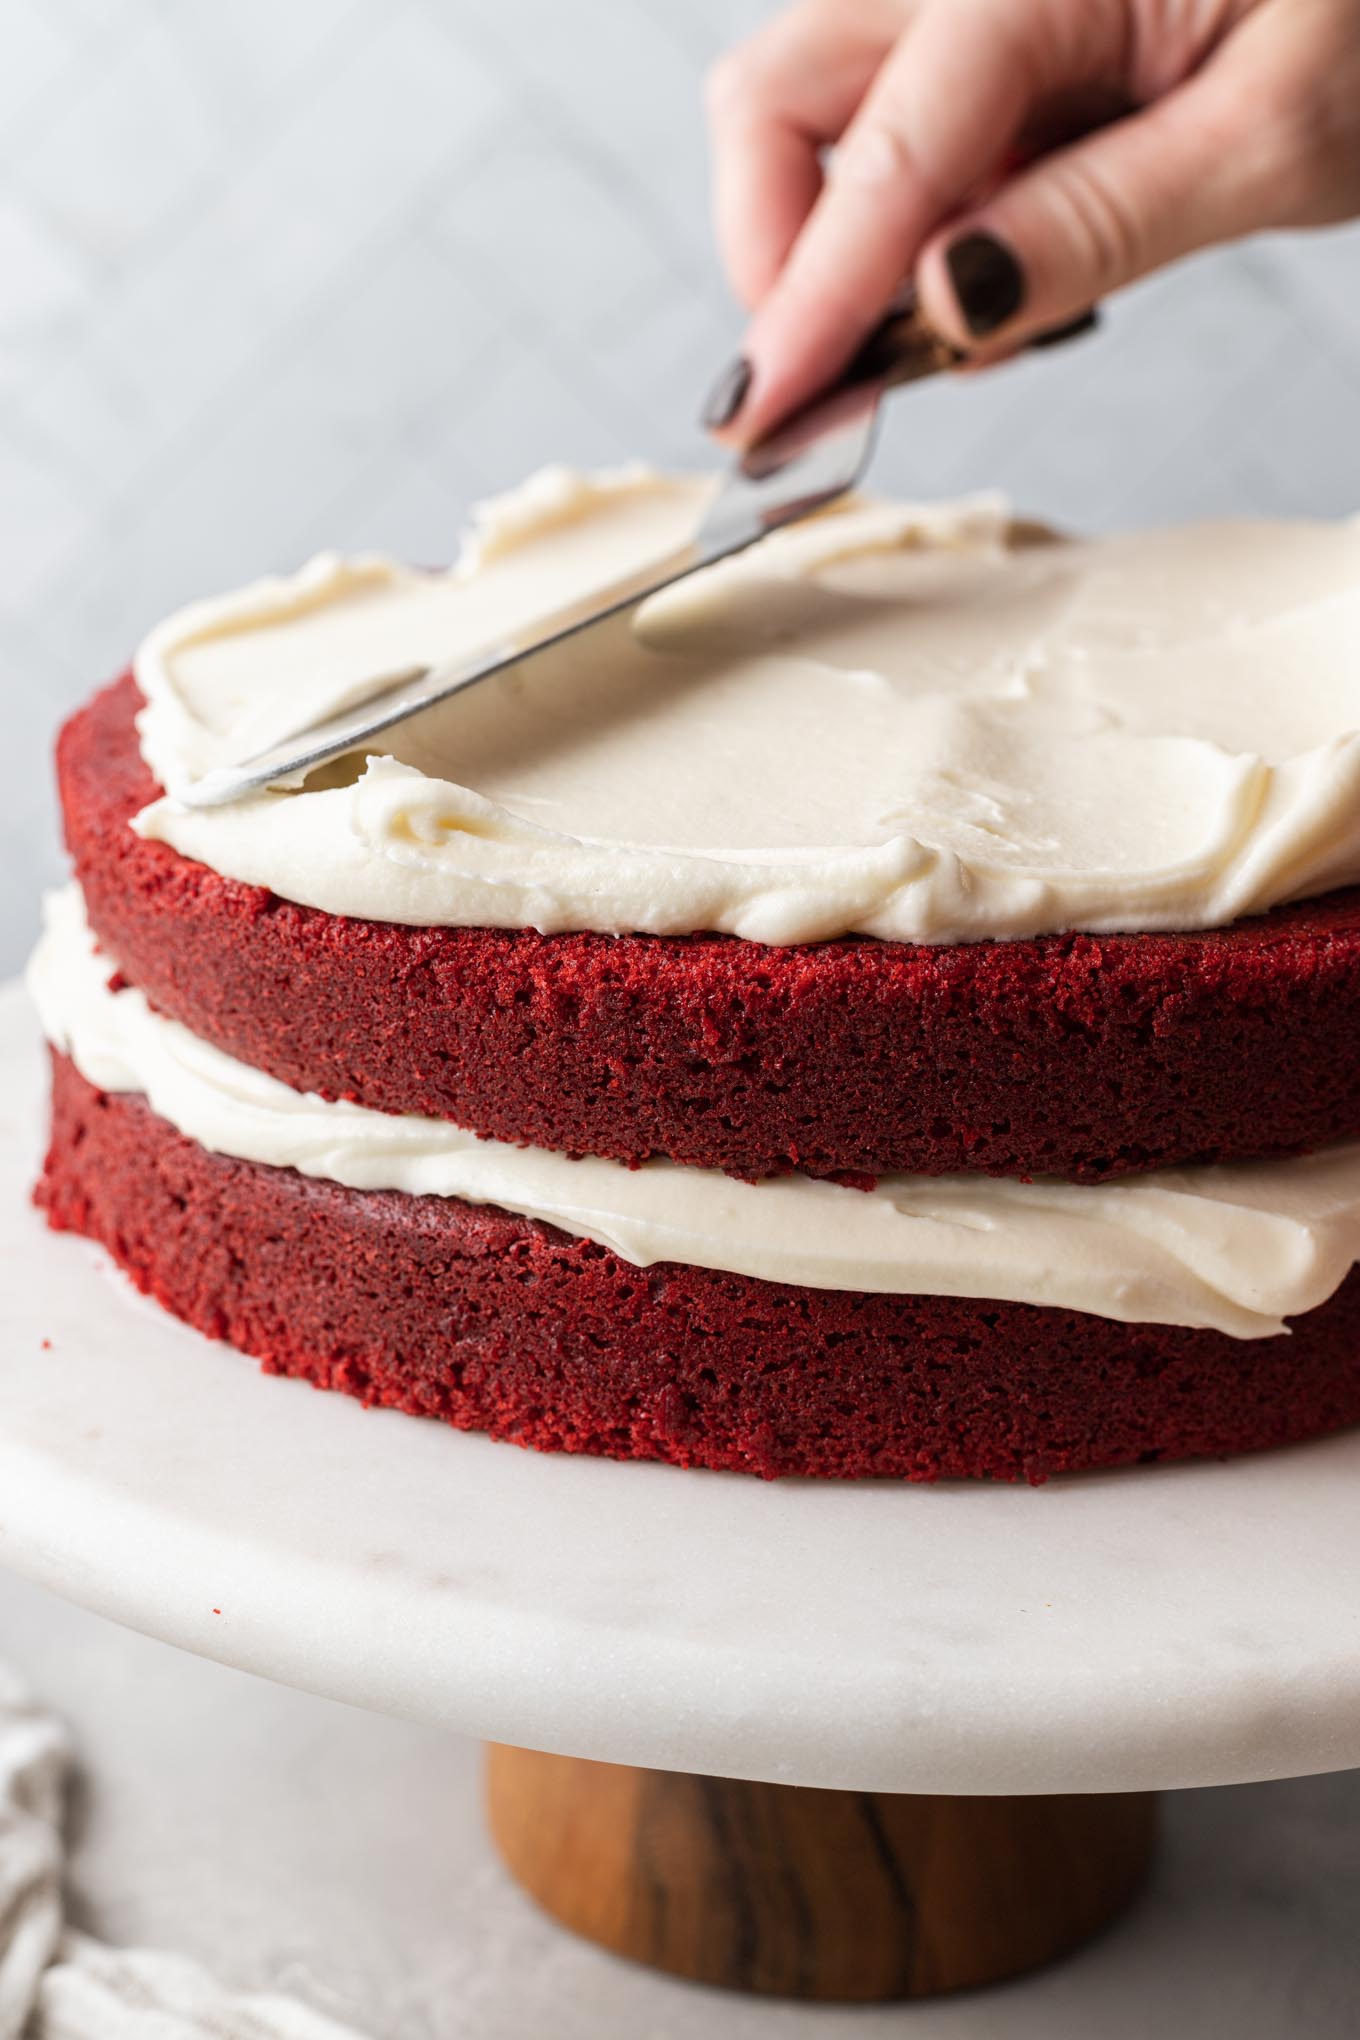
(804, 465)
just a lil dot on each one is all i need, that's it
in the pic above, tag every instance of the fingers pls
(1206, 163)
(773, 105)
(939, 116)
(766, 182)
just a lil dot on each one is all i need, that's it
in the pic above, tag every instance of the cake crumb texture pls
(503, 1324)
(1080, 1056)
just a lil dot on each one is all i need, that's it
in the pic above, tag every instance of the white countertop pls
(383, 1904)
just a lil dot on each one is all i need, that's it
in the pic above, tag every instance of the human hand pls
(1018, 159)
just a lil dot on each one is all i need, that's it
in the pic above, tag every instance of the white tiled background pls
(277, 274)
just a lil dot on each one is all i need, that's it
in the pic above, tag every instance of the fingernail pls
(727, 395)
(1085, 322)
(988, 282)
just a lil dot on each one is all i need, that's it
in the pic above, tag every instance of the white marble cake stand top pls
(1161, 1627)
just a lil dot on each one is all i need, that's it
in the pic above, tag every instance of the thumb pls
(1093, 216)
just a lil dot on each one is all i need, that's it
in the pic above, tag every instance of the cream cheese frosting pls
(912, 723)
(1239, 1248)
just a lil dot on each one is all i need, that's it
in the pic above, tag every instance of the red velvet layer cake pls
(1081, 1056)
(706, 1049)
(502, 1324)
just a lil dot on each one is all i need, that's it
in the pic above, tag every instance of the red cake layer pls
(1074, 1055)
(506, 1325)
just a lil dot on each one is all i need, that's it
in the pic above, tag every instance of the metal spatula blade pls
(804, 465)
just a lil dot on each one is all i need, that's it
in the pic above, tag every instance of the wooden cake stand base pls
(804, 1893)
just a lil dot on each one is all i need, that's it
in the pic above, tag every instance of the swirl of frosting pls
(924, 725)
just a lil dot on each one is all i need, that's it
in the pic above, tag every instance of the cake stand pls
(986, 1685)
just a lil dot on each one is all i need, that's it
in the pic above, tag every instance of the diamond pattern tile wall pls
(280, 276)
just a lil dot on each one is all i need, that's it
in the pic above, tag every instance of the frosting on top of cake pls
(1236, 1247)
(926, 724)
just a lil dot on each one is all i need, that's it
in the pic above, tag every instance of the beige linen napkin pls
(56, 1985)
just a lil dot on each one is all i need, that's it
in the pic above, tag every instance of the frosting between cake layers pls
(921, 724)
(1239, 1248)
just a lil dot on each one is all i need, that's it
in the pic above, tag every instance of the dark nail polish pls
(988, 282)
(1085, 322)
(727, 395)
